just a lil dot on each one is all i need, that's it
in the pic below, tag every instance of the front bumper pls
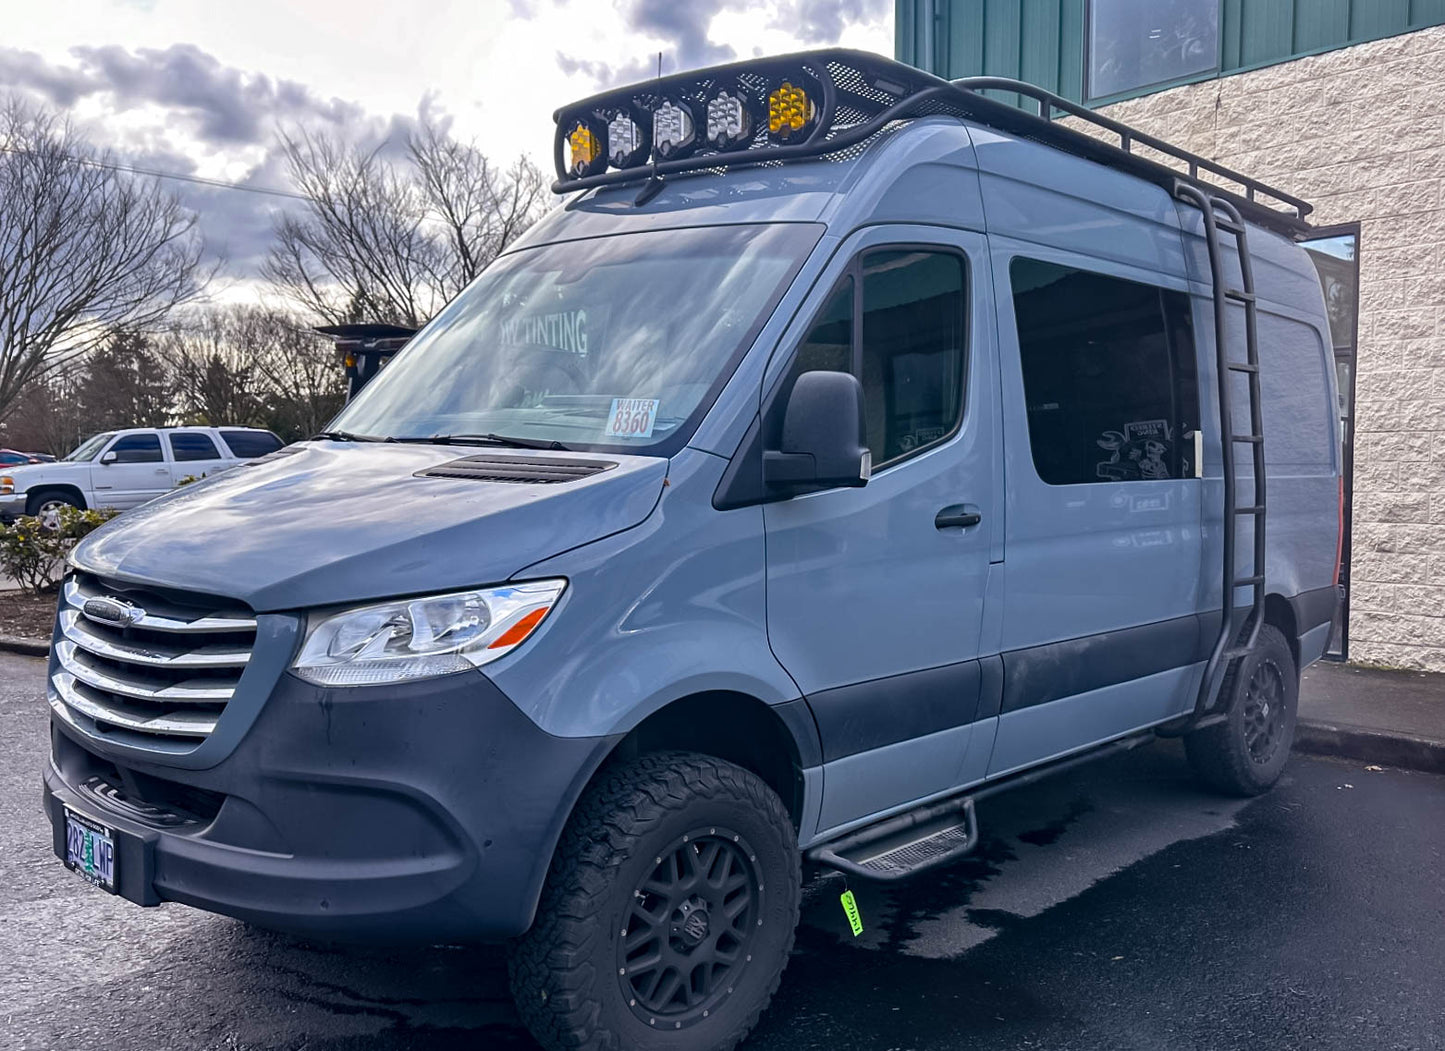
(12, 506)
(418, 813)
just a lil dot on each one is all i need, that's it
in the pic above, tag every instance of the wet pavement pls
(1115, 907)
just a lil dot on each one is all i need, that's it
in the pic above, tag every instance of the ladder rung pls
(1229, 226)
(1235, 366)
(1244, 582)
(1257, 510)
(1238, 296)
(1248, 439)
(1234, 653)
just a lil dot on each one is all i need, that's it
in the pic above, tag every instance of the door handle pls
(957, 516)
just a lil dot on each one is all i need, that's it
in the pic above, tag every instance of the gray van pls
(848, 446)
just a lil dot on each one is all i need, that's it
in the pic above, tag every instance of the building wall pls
(1360, 133)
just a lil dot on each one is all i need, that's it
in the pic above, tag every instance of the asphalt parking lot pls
(1115, 907)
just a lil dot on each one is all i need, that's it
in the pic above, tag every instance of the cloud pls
(222, 105)
(823, 21)
(683, 31)
(178, 108)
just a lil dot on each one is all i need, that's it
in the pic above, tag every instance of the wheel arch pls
(63, 488)
(776, 742)
(1279, 612)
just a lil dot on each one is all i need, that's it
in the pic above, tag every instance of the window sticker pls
(1138, 453)
(631, 418)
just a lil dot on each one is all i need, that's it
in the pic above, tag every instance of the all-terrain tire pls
(1245, 754)
(644, 820)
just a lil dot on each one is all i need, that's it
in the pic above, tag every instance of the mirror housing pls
(106, 459)
(824, 440)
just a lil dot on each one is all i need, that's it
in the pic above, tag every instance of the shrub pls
(34, 554)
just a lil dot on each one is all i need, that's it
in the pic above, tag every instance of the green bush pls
(34, 554)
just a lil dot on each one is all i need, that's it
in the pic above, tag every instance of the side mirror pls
(824, 443)
(107, 459)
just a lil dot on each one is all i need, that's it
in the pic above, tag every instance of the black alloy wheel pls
(691, 925)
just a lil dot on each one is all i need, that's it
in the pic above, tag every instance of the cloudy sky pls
(201, 87)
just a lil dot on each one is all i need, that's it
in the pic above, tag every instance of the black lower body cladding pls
(421, 812)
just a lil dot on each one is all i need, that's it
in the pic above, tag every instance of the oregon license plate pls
(90, 850)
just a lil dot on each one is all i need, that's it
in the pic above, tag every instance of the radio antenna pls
(653, 186)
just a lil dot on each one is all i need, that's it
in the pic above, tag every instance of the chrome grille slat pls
(162, 616)
(160, 667)
(188, 691)
(176, 724)
(155, 654)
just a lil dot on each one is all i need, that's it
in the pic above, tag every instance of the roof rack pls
(861, 94)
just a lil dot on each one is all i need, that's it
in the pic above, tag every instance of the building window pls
(1137, 44)
(1111, 381)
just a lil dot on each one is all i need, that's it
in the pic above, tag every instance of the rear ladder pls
(1236, 639)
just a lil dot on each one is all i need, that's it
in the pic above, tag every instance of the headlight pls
(423, 637)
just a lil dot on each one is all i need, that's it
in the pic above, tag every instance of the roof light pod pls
(585, 145)
(792, 110)
(674, 132)
(627, 141)
(729, 119)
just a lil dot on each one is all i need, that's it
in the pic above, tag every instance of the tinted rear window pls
(251, 443)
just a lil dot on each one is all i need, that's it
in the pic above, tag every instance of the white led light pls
(727, 120)
(671, 128)
(624, 139)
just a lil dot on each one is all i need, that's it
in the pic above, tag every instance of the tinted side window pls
(138, 448)
(251, 443)
(913, 349)
(191, 446)
(1110, 377)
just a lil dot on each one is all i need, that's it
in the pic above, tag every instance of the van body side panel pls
(1034, 193)
(671, 608)
(1301, 425)
(1091, 569)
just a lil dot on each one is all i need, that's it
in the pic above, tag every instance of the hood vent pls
(527, 470)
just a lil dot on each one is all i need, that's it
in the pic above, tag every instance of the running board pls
(937, 833)
(905, 845)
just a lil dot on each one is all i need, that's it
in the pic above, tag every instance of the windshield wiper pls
(489, 439)
(346, 436)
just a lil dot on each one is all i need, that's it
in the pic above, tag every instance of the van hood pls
(325, 523)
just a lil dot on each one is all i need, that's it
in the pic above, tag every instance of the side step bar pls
(942, 831)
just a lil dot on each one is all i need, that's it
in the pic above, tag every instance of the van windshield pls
(616, 342)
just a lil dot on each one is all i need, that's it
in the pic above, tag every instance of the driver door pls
(876, 594)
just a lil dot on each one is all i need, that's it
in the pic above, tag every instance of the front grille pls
(152, 668)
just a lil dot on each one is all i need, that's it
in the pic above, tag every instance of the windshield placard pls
(631, 418)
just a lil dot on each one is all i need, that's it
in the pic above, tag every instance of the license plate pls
(90, 850)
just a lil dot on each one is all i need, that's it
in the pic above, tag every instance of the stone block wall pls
(1360, 133)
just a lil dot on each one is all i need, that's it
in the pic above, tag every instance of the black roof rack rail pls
(861, 94)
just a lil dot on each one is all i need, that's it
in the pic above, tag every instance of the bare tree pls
(213, 362)
(249, 366)
(84, 249)
(394, 241)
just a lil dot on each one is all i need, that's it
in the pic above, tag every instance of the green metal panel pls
(1372, 19)
(1039, 43)
(1266, 31)
(1426, 13)
(1044, 41)
(1320, 24)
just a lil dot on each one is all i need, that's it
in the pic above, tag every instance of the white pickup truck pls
(122, 469)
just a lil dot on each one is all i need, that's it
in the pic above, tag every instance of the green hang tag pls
(850, 909)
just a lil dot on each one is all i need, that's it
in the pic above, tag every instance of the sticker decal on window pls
(1137, 454)
(631, 418)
